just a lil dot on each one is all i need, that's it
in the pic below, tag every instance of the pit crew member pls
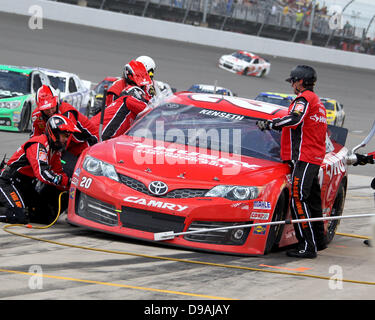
(33, 177)
(303, 147)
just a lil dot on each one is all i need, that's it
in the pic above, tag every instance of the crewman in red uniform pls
(303, 146)
(48, 104)
(114, 92)
(35, 164)
(119, 115)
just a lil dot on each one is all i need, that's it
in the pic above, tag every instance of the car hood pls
(150, 160)
(234, 60)
(12, 96)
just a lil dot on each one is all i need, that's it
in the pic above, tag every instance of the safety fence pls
(266, 18)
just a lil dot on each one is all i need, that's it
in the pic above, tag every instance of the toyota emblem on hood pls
(158, 188)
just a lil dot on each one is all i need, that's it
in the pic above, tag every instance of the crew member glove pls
(264, 124)
(57, 180)
(363, 159)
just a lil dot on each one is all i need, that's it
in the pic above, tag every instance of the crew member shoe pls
(298, 253)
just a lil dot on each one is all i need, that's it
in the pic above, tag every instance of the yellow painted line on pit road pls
(115, 285)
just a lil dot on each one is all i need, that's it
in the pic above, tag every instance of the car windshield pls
(58, 82)
(99, 89)
(208, 129)
(285, 102)
(329, 105)
(242, 56)
(14, 83)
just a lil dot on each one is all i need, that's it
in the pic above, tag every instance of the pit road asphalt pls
(72, 273)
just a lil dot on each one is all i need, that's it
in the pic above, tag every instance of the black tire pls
(262, 73)
(276, 231)
(88, 109)
(25, 118)
(246, 70)
(342, 123)
(337, 209)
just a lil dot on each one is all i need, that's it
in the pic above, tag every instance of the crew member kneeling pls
(33, 177)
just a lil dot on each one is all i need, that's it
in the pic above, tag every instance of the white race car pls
(72, 89)
(245, 63)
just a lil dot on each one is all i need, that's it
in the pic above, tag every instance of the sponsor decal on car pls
(260, 230)
(260, 215)
(262, 205)
(156, 204)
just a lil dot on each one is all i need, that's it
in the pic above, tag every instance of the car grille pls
(150, 221)
(235, 236)
(95, 210)
(228, 66)
(5, 122)
(174, 194)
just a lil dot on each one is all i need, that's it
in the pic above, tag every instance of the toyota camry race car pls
(245, 63)
(73, 90)
(198, 161)
(18, 86)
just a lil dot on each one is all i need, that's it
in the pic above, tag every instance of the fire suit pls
(303, 147)
(20, 193)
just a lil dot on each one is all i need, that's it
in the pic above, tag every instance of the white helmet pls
(149, 64)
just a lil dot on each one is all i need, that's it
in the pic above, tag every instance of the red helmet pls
(135, 73)
(58, 124)
(46, 98)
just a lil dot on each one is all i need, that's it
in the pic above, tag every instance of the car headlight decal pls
(99, 168)
(236, 193)
(10, 104)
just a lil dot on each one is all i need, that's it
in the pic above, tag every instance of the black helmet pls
(306, 73)
(56, 125)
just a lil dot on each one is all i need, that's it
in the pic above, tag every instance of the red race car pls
(198, 161)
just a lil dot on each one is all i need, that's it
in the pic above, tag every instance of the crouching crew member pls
(33, 177)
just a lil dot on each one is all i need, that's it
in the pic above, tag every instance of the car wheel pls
(245, 72)
(275, 232)
(88, 109)
(337, 209)
(25, 118)
(262, 73)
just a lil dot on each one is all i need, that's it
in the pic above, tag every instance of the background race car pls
(281, 99)
(98, 94)
(334, 109)
(72, 89)
(199, 161)
(335, 112)
(245, 63)
(18, 86)
(206, 88)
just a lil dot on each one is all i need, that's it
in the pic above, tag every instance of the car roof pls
(277, 94)
(328, 99)
(56, 73)
(230, 104)
(20, 69)
(110, 79)
(249, 54)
